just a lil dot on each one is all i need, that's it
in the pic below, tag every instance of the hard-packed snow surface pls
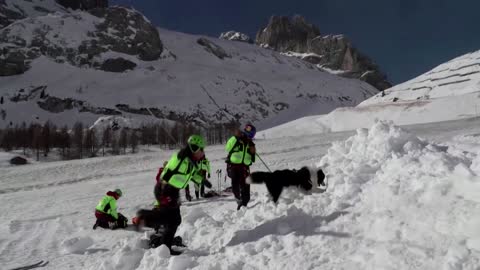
(396, 199)
(450, 91)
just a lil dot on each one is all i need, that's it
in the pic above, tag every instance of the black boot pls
(156, 240)
(178, 241)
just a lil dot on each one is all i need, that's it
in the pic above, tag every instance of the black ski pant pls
(240, 188)
(165, 221)
(107, 221)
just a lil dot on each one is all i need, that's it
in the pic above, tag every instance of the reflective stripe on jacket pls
(179, 171)
(239, 152)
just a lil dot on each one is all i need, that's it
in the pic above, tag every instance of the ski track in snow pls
(394, 202)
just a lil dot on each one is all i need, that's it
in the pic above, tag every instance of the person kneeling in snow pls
(106, 212)
(165, 217)
(304, 178)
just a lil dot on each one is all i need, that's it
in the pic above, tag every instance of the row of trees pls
(80, 142)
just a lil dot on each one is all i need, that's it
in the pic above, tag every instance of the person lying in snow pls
(106, 212)
(304, 178)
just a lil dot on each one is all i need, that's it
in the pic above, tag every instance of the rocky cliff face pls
(14, 10)
(99, 39)
(83, 4)
(284, 34)
(333, 53)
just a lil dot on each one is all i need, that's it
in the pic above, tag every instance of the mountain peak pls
(332, 53)
(287, 34)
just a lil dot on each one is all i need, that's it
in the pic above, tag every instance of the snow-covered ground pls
(397, 198)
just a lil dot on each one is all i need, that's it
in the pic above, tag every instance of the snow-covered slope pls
(454, 78)
(394, 201)
(207, 80)
(448, 92)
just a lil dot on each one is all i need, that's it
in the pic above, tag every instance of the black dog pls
(304, 178)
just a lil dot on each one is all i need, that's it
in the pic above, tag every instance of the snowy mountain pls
(448, 92)
(103, 69)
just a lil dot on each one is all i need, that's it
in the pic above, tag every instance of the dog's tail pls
(258, 177)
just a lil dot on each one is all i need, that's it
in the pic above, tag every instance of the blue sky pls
(404, 37)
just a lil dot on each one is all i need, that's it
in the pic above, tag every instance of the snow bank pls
(411, 201)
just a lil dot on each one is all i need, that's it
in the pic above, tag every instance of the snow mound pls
(76, 245)
(404, 191)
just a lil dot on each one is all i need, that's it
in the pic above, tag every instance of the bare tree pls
(7, 142)
(123, 141)
(78, 138)
(37, 139)
(64, 141)
(91, 143)
(23, 137)
(106, 139)
(133, 140)
(115, 146)
(45, 138)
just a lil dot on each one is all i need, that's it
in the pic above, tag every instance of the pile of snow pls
(414, 204)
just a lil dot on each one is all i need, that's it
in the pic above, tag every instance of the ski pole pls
(263, 162)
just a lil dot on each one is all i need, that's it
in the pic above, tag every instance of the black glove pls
(121, 221)
(207, 183)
